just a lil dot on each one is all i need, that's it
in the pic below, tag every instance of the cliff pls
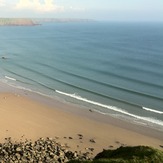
(37, 21)
(17, 22)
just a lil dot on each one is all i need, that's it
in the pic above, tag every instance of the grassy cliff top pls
(138, 154)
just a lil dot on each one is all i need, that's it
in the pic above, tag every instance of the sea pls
(113, 68)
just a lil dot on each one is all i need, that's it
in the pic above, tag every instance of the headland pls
(36, 21)
(17, 22)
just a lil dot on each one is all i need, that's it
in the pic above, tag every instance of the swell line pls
(39, 83)
(90, 91)
(85, 67)
(105, 84)
(74, 86)
(127, 78)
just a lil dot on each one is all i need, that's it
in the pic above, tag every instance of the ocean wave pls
(27, 89)
(102, 83)
(119, 76)
(29, 80)
(10, 78)
(152, 110)
(113, 108)
(86, 79)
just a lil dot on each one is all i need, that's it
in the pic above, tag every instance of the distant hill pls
(62, 20)
(37, 21)
(17, 22)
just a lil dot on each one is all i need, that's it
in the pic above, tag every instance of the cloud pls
(2, 3)
(76, 9)
(36, 5)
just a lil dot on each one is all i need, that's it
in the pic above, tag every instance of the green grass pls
(138, 154)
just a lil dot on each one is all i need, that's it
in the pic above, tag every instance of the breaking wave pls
(10, 78)
(113, 108)
(152, 110)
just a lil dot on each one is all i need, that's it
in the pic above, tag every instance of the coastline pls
(24, 115)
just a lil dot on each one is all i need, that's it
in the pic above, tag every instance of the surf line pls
(147, 119)
(152, 110)
(7, 77)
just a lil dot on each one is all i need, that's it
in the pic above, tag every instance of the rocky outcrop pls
(42, 151)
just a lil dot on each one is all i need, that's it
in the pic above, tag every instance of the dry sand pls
(22, 117)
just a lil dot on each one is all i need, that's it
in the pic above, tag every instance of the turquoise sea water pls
(113, 68)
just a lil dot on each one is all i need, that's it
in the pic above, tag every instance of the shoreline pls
(25, 115)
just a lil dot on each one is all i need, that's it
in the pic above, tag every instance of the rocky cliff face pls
(16, 22)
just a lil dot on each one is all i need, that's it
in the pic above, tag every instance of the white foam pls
(148, 119)
(10, 78)
(152, 110)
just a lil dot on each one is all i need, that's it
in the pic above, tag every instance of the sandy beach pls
(24, 117)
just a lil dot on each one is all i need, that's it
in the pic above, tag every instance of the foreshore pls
(26, 116)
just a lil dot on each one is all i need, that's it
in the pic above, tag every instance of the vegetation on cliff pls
(138, 154)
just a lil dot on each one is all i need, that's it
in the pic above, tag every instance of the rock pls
(42, 150)
(51, 139)
(40, 162)
(91, 149)
(117, 142)
(80, 135)
(18, 156)
(57, 137)
(92, 141)
(18, 149)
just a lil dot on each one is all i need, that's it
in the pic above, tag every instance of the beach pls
(25, 116)
(95, 71)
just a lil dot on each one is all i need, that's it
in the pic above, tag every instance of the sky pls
(112, 10)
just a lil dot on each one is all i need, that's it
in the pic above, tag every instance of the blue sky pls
(113, 10)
